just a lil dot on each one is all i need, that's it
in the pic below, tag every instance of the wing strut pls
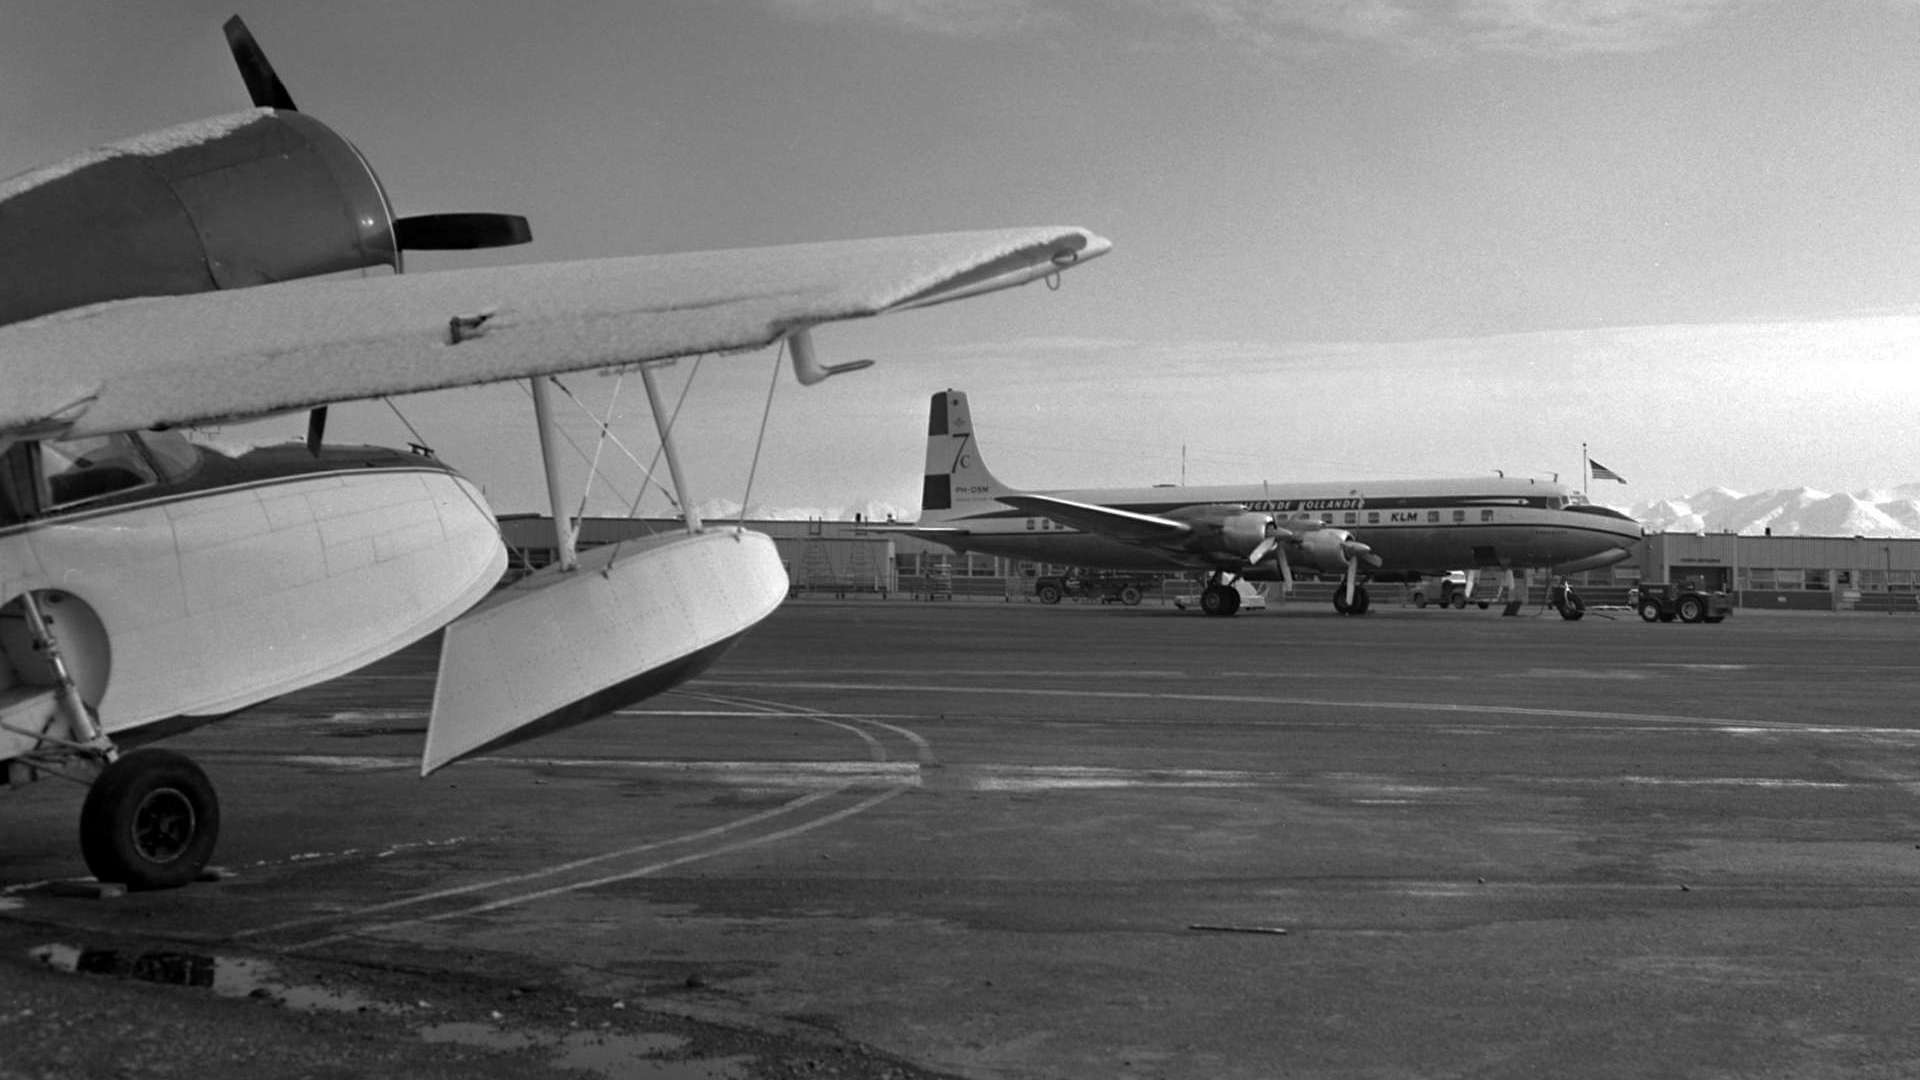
(680, 492)
(563, 547)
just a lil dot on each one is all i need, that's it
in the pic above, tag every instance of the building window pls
(1373, 517)
(1816, 579)
(1433, 517)
(1486, 515)
(1352, 518)
(1459, 517)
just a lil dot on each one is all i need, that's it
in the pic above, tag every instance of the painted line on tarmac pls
(846, 775)
(1048, 673)
(1080, 777)
(922, 749)
(526, 898)
(532, 875)
(761, 772)
(1305, 702)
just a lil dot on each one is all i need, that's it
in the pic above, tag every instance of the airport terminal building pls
(1777, 573)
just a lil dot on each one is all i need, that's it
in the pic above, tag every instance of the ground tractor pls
(1665, 601)
(1107, 588)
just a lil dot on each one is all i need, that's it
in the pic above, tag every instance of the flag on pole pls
(1601, 472)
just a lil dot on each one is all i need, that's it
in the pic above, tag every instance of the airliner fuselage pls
(1414, 525)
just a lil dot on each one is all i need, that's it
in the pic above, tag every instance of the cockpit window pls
(76, 470)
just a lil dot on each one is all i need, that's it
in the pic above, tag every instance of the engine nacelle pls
(246, 199)
(1242, 533)
(1325, 549)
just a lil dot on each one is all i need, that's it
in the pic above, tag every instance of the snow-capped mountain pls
(1788, 512)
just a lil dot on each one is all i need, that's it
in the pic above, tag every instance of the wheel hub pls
(163, 825)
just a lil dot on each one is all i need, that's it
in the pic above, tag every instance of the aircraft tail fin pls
(957, 481)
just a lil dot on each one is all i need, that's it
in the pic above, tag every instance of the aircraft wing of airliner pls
(1124, 525)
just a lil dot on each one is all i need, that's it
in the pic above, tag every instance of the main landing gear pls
(1351, 597)
(1563, 599)
(1220, 597)
(1356, 606)
(151, 818)
(150, 821)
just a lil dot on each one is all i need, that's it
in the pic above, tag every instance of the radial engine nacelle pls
(246, 199)
(1328, 550)
(255, 197)
(1243, 534)
(1230, 529)
(241, 200)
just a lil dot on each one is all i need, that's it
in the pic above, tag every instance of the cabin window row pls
(1433, 517)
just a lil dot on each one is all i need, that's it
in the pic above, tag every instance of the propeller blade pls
(460, 232)
(263, 85)
(1355, 550)
(1286, 574)
(1353, 578)
(1266, 547)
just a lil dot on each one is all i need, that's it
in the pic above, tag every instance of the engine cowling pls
(1243, 533)
(241, 200)
(1327, 550)
(1229, 534)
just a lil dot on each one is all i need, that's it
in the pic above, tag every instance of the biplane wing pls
(232, 355)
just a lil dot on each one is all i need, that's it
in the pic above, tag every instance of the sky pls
(1354, 239)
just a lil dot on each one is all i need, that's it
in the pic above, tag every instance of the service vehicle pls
(1665, 601)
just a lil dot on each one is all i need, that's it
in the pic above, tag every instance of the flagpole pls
(1586, 470)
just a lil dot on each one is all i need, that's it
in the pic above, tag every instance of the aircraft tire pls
(1219, 600)
(150, 821)
(1571, 606)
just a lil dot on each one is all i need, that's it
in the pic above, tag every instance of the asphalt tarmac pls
(988, 839)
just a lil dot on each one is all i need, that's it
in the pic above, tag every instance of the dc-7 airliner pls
(1365, 530)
